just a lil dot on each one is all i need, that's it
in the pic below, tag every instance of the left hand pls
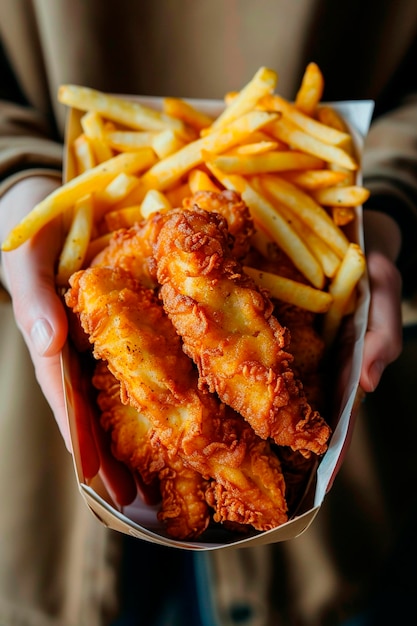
(383, 339)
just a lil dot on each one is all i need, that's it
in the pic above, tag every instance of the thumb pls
(38, 309)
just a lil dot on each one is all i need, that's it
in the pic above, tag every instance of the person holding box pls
(58, 565)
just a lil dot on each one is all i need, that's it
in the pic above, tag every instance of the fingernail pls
(41, 336)
(375, 373)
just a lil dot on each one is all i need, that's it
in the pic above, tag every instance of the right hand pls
(28, 274)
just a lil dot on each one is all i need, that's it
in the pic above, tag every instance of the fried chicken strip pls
(308, 350)
(132, 248)
(306, 346)
(184, 509)
(228, 329)
(237, 215)
(130, 331)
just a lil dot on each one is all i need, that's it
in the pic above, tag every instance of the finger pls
(49, 376)
(39, 313)
(41, 317)
(38, 309)
(117, 478)
(383, 340)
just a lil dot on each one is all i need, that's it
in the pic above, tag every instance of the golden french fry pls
(311, 89)
(341, 288)
(351, 305)
(259, 147)
(298, 139)
(95, 246)
(92, 124)
(176, 194)
(128, 140)
(123, 218)
(101, 150)
(315, 179)
(67, 195)
(154, 201)
(76, 242)
(263, 82)
(350, 176)
(266, 217)
(263, 242)
(307, 209)
(114, 192)
(201, 181)
(260, 137)
(93, 127)
(309, 125)
(176, 107)
(165, 143)
(276, 161)
(229, 97)
(110, 127)
(326, 114)
(327, 258)
(83, 153)
(351, 196)
(291, 291)
(169, 171)
(342, 215)
(116, 109)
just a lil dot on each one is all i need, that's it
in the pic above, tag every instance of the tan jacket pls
(58, 565)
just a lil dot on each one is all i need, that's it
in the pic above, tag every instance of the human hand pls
(383, 339)
(28, 273)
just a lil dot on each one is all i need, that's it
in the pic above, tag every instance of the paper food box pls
(140, 519)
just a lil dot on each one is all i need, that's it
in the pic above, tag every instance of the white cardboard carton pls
(139, 519)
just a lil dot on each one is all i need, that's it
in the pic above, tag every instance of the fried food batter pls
(130, 331)
(307, 346)
(132, 248)
(228, 330)
(237, 215)
(184, 509)
(308, 350)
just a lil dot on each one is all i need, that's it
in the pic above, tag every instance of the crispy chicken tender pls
(237, 215)
(184, 508)
(130, 331)
(307, 348)
(132, 248)
(228, 329)
(259, 473)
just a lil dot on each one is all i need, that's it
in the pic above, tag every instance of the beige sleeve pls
(25, 145)
(390, 172)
